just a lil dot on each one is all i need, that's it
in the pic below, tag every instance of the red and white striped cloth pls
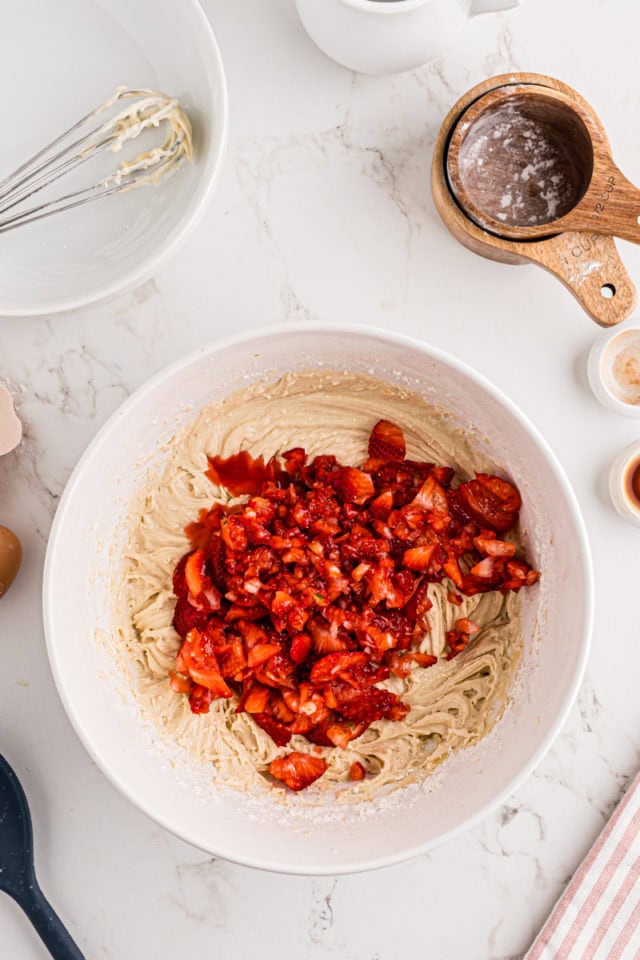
(598, 915)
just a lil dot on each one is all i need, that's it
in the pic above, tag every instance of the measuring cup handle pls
(590, 266)
(612, 204)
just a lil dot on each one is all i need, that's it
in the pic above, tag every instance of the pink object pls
(10, 426)
(598, 915)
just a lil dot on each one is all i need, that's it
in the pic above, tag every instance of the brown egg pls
(10, 557)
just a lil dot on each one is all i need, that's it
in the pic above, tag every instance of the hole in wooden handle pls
(608, 291)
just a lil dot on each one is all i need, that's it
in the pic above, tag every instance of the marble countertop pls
(324, 213)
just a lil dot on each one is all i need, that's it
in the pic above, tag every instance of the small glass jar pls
(624, 483)
(614, 369)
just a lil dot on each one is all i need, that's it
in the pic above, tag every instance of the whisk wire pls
(58, 158)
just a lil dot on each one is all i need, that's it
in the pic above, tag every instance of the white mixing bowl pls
(178, 793)
(61, 60)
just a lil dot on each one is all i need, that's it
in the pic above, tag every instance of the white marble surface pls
(324, 213)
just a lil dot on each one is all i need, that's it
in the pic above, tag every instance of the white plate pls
(87, 534)
(59, 60)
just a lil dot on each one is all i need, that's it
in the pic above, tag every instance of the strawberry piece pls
(297, 770)
(294, 460)
(234, 535)
(382, 505)
(431, 496)
(478, 501)
(180, 587)
(339, 735)
(254, 700)
(232, 660)
(452, 569)
(279, 732)
(353, 485)
(300, 647)
(200, 699)
(179, 682)
(261, 652)
(373, 704)
(211, 678)
(387, 442)
(318, 735)
(504, 491)
(494, 548)
(399, 663)
(335, 664)
(485, 569)
(467, 626)
(216, 556)
(357, 771)
(423, 659)
(418, 558)
(194, 573)
(457, 641)
(186, 617)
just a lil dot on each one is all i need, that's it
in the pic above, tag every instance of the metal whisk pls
(78, 144)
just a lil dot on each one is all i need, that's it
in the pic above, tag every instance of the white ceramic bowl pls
(65, 58)
(89, 524)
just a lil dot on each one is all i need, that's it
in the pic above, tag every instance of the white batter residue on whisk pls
(149, 109)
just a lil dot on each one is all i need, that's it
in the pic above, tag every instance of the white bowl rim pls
(390, 337)
(148, 266)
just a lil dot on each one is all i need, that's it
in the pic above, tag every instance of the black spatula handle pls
(53, 932)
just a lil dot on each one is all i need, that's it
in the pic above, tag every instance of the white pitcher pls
(388, 36)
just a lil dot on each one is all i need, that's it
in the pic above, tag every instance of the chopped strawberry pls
(261, 652)
(297, 770)
(180, 587)
(423, 659)
(418, 558)
(479, 501)
(255, 700)
(186, 617)
(387, 442)
(357, 771)
(382, 505)
(373, 704)
(211, 678)
(180, 683)
(295, 460)
(335, 664)
(194, 573)
(200, 699)
(314, 588)
(279, 732)
(484, 569)
(233, 533)
(300, 647)
(232, 660)
(494, 548)
(339, 735)
(431, 496)
(216, 555)
(354, 486)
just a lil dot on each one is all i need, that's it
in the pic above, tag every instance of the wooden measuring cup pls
(586, 261)
(527, 161)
